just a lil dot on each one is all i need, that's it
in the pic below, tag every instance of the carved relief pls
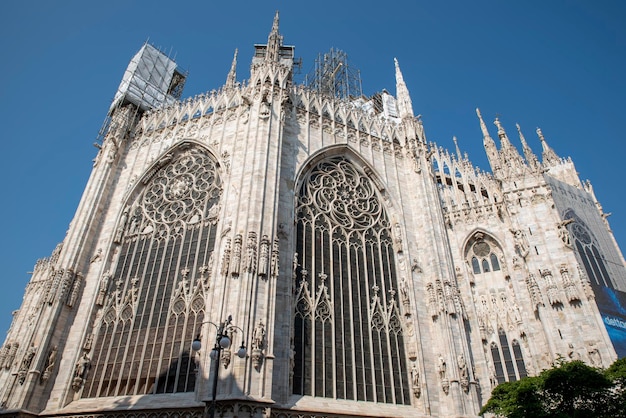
(25, 366)
(104, 288)
(76, 286)
(415, 380)
(463, 372)
(250, 264)
(80, 372)
(275, 259)
(236, 257)
(571, 291)
(534, 291)
(551, 290)
(226, 258)
(521, 243)
(49, 364)
(264, 256)
(258, 344)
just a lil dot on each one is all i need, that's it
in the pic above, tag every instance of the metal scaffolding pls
(333, 76)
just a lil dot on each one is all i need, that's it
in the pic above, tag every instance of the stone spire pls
(274, 42)
(489, 144)
(231, 79)
(548, 156)
(530, 156)
(405, 107)
(508, 152)
(458, 150)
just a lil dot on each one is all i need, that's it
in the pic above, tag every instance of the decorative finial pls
(274, 41)
(548, 155)
(499, 125)
(540, 135)
(232, 74)
(531, 158)
(275, 23)
(405, 107)
(521, 135)
(458, 150)
(483, 127)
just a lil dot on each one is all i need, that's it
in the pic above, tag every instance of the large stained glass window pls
(153, 299)
(587, 248)
(348, 335)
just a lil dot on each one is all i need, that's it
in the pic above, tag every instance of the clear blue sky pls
(558, 64)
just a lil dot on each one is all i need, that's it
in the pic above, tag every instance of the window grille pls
(349, 341)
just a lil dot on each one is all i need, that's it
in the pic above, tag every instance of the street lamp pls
(222, 342)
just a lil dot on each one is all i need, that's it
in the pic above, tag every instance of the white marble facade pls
(368, 271)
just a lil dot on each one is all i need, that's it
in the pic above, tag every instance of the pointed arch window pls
(588, 251)
(476, 266)
(508, 367)
(482, 253)
(154, 300)
(494, 262)
(348, 337)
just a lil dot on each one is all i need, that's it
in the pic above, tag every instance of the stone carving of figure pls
(462, 367)
(251, 252)
(134, 222)
(264, 107)
(104, 288)
(415, 376)
(82, 367)
(274, 259)
(25, 366)
(521, 243)
(264, 258)
(441, 367)
(258, 338)
(28, 358)
(404, 296)
(594, 356)
(564, 233)
(120, 229)
(50, 362)
(415, 380)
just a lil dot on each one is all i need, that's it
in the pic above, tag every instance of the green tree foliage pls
(569, 390)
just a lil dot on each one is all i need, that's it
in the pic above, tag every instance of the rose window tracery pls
(187, 187)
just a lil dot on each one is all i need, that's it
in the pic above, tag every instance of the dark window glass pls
(349, 282)
(506, 353)
(497, 363)
(519, 360)
(149, 319)
(495, 265)
(475, 265)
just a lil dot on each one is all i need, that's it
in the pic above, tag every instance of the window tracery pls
(507, 359)
(588, 250)
(348, 334)
(483, 254)
(161, 277)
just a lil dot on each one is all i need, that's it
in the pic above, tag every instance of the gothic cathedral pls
(355, 268)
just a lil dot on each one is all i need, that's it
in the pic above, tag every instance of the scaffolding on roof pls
(333, 76)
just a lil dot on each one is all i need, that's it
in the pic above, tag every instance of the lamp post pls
(222, 342)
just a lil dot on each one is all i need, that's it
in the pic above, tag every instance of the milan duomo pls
(365, 270)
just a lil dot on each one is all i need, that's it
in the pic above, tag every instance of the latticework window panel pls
(156, 294)
(348, 335)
